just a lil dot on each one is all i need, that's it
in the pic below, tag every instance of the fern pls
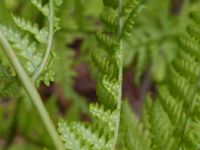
(43, 9)
(152, 45)
(170, 121)
(40, 35)
(33, 54)
(26, 50)
(109, 64)
(135, 9)
(132, 134)
(29, 62)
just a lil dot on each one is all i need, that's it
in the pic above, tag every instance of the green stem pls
(120, 61)
(32, 92)
(49, 43)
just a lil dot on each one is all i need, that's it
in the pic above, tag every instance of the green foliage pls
(154, 43)
(109, 64)
(172, 121)
(132, 134)
(8, 83)
(40, 35)
(32, 52)
(28, 51)
(28, 115)
(43, 9)
(66, 79)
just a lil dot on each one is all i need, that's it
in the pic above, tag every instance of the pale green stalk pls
(32, 92)
(49, 42)
(120, 61)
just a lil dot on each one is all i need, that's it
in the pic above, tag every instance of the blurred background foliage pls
(146, 55)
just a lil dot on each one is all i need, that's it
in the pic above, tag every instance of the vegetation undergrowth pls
(52, 44)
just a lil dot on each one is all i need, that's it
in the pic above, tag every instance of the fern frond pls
(43, 9)
(105, 66)
(108, 116)
(90, 137)
(189, 46)
(107, 92)
(68, 137)
(110, 21)
(159, 124)
(136, 8)
(132, 134)
(187, 69)
(29, 54)
(107, 42)
(183, 86)
(38, 63)
(175, 113)
(109, 84)
(145, 116)
(26, 50)
(82, 137)
(40, 35)
(48, 74)
(171, 106)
